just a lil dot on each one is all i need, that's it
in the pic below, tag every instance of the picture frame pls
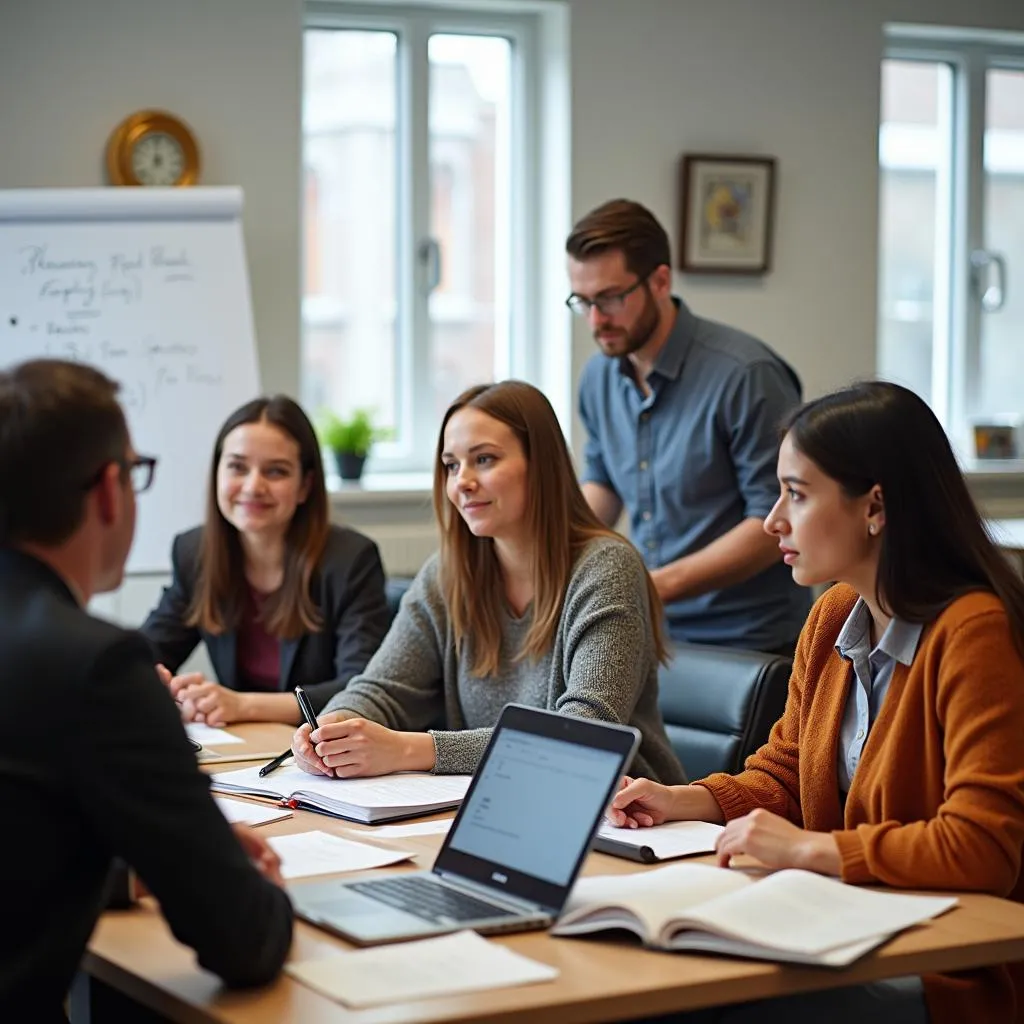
(727, 211)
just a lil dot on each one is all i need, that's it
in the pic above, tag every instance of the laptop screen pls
(534, 803)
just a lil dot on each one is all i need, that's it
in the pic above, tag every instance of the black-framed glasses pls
(606, 305)
(140, 472)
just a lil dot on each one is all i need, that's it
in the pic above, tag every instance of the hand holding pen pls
(307, 713)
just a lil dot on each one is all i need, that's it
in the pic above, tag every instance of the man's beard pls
(618, 345)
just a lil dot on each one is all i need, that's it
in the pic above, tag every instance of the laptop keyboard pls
(426, 899)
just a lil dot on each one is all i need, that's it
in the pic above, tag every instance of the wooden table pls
(599, 980)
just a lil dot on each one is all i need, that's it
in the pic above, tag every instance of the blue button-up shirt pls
(692, 460)
(872, 674)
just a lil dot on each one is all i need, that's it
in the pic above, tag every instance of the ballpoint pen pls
(307, 713)
(276, 763)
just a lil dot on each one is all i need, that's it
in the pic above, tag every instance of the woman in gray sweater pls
(530, 599)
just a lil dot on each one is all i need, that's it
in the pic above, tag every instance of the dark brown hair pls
(556, 513)
(60, 426)
(624, 226)
(934, 546)
(221, 589)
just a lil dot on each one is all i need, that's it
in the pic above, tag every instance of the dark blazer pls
(94, 764)
(348, 588)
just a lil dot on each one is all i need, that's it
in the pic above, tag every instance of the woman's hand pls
(778, 843)
(640, 803)
(355, 747)
(211, 703)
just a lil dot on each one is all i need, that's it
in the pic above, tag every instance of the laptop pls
(516, 845)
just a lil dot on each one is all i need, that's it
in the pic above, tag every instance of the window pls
(418, 176)
(951, 227)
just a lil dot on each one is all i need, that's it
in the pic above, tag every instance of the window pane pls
(350, 336)
(1002, 332)
(913, 156)
(469, 211)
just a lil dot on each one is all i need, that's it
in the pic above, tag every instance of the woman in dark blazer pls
(278, 594)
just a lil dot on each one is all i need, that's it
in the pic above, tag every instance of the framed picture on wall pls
(726, 208)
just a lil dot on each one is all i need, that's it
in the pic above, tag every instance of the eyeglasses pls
(140, 472)
(606, 305)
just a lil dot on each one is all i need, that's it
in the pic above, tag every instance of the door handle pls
(991, 295)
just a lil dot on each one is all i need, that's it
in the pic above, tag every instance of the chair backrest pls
(394, 588)
(719, 704)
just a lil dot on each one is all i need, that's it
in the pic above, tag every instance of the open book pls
(369, 801)
(791, 915)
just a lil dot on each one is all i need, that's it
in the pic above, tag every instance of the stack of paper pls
(319, 853)
(461, 962)
(250, 814)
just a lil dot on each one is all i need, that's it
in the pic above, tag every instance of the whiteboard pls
(149, 285)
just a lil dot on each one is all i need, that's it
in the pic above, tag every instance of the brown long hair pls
(220, 589)
(934, 547)
(557, 516)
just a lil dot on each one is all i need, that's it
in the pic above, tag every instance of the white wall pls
(797, 79)
(70, 70)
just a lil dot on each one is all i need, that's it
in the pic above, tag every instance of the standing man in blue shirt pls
(682, 419)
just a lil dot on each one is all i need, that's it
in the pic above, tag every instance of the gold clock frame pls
(123, 138)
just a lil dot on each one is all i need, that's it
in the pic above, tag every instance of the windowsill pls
(994, 469)
(381, 489)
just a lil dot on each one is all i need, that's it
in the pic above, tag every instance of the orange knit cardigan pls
(937, 801)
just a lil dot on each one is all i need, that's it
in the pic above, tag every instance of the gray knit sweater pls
(602, 665)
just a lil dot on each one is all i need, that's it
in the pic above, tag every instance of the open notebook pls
(369, 801)
(792, 915)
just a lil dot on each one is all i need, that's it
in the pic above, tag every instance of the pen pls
(276, 763)
(305, 707)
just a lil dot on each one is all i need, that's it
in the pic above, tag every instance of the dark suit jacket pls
(94, 764)
(348, 588)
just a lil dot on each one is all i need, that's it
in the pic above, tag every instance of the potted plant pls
(349, 440)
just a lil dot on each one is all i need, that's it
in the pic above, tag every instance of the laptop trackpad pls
(340, 909)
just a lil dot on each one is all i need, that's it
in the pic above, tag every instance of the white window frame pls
(520, 354)
(960, 195)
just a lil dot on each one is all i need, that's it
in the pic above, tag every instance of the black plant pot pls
(350, 465)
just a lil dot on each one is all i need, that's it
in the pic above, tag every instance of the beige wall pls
(797, 79)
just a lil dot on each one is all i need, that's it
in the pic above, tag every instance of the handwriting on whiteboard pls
(82, 302)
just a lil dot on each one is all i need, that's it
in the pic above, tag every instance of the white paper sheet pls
(675, 839)
(251, 814)
(319, 853)
(462, 962)
(210, 737)
(417, 828)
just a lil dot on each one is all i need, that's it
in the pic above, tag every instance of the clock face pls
(158, 159)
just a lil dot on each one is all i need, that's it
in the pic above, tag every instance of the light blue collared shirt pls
(693, 459)
(872, 670)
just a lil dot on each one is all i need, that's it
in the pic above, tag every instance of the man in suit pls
(94, 763)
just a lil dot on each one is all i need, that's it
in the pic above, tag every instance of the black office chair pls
(719, 704)
(394, 588)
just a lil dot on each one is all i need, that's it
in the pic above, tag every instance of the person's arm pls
(360, 624)
(603, 502)
(742, 552)
(974, 841)
(170, 639)
(147, 802)
(375, 725)
(751, 410)
(596, 482)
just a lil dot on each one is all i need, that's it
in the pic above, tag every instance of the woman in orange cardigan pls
(898, 760)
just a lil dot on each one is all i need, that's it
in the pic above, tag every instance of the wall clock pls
(152, 147)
